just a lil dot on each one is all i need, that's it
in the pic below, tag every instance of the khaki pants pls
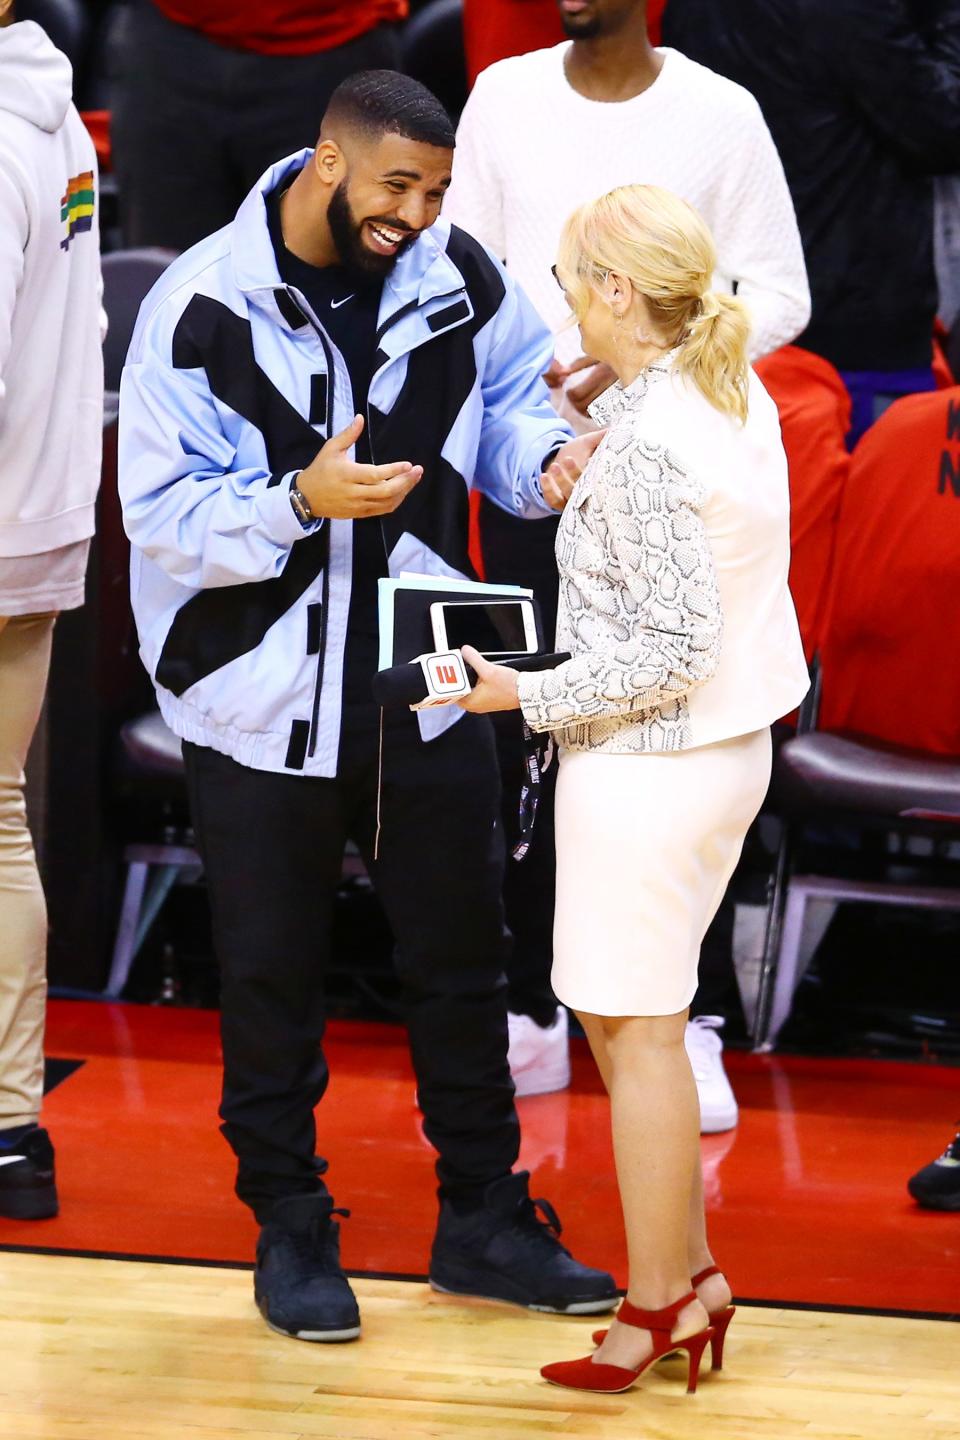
(24, 664)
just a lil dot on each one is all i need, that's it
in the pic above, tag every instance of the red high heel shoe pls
(611, 1379)
(719, 1321)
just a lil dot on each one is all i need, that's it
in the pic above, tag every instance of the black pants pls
(196, 124)
(521, 552)
(272, 846)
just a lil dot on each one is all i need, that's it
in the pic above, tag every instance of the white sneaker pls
(718, 1105)
(539, 1058)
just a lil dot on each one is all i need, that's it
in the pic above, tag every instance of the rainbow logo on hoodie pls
(76, 206)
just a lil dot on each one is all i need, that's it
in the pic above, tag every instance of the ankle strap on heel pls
(656, 1321)
(705, 1274)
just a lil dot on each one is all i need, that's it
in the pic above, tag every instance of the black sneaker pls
(937, 1185)
(298, 1282)
(28, 1187)
(504, 1251)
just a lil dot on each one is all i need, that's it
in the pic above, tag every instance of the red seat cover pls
(891, 648)
(814, 418)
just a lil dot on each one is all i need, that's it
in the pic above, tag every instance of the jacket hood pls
(36, 79)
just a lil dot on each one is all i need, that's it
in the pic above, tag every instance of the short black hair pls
(380, 102)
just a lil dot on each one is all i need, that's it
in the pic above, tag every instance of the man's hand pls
(496, 687)
(555, 374)
(337, 488)
(597, 378)
(565, 469)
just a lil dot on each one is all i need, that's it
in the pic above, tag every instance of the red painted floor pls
(807, 1197)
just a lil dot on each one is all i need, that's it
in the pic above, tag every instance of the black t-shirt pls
(348, 309)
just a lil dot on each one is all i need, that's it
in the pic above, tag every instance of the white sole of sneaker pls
(318, 1337)
(716, 1124)
(580, 1307)
(540, 1084)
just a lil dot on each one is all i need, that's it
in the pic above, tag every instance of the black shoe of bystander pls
(502, 1250)
(28, 1187)
(299, 1283)
(937, 1185)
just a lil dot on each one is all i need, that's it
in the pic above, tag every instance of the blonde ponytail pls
(714, 352)
(663, 246)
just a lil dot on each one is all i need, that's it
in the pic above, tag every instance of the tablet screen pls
(497, 628)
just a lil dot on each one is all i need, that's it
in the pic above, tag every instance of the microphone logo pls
(446, 676)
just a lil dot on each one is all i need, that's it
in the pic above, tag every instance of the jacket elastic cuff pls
(278, 515)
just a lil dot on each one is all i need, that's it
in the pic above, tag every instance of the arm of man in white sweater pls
(475, 198)
(758, 243)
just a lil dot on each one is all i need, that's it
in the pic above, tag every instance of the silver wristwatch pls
(300, 503)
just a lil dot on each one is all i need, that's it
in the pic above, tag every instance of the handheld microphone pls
(441, 677)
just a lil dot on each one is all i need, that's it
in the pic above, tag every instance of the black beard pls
(581, 27)
(346, 232)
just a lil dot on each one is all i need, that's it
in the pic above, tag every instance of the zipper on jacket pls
(388, 324)
(321, 654)
(325, 597)
(386, 556)
(325, 594)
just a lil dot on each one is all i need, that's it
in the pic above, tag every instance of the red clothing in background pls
(494, 29)
(282, 27)
(814, 419)
(892, 633)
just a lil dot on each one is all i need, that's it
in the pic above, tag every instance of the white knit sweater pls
(530, 149)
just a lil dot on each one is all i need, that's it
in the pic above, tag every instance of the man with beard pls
(339, 314)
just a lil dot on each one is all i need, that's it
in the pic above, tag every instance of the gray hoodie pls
(51, 367)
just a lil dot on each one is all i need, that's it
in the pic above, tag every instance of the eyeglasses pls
(600, 274)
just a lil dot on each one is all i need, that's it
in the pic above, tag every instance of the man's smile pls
(385, 238)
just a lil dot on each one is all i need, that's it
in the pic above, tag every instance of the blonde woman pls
(673, 554)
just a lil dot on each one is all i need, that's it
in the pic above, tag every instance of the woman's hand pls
(496, 687)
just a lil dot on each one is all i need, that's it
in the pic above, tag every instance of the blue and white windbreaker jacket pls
(231, 386)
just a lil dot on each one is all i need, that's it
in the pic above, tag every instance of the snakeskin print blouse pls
(639, 600)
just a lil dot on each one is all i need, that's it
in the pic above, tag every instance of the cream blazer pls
(673, 553)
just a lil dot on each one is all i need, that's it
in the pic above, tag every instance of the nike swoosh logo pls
(11, 1159)
(335, 304)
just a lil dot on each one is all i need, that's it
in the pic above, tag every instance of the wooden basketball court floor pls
(132, 1315)
(94, 1349)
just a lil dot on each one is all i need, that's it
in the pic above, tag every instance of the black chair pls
(150, 772)
(93, 86)
(127, 277)
(67, 22)
(433, 53)
(821, 779)
(148, 763)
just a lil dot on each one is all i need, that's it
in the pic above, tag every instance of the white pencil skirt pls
(646, 846)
